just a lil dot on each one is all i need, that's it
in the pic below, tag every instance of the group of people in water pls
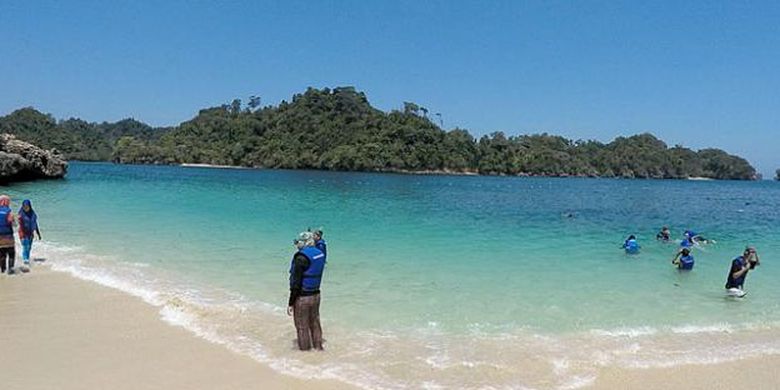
(26, 220)
(306, 269)
(684, 260)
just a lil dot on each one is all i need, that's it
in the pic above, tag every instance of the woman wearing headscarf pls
(28, 227)
(7, 244)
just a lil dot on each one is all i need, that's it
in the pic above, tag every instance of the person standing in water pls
(320, 243)
(306, 269)
(28, 227)
(740, 266)
(7, 244)
(683, 260)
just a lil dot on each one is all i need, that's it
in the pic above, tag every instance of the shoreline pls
(442, 172)
(112, 339)
(212, 166)
(83, 335)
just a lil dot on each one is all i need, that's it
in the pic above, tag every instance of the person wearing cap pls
(320, 243)
(306, 269)
(740, 267)
(7, 243)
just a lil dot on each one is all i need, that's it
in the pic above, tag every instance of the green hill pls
(337, 129)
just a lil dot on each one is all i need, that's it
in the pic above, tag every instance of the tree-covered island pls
(337, 129)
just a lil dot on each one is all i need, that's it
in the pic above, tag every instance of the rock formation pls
(21, 161)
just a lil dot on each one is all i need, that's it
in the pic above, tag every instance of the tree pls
(254, 102)
(411, 108)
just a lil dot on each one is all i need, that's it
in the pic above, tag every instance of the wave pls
(429, 357)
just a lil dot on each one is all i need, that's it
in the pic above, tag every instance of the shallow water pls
(432, 281)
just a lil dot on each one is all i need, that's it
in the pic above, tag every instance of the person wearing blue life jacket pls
(694, 238)
(740, 267)
(7, 243)
(306, 269)
(320, 243)
(28, 227)
(687, 241)
(631, 246)
(683, 260)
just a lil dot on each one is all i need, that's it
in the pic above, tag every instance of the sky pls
(696, 73)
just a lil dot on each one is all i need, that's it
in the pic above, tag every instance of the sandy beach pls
(63, 333)
(60, 332)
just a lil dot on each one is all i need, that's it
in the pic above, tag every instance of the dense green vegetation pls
(337, 129)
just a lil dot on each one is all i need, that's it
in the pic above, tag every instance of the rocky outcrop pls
(21, 161)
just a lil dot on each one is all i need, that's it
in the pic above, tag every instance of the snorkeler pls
(683, 260)
(688, 241)
(696, 238)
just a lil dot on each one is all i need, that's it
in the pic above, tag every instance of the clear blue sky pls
(696, 73)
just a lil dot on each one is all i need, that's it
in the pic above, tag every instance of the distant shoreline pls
(411, 172)
(186, 165)
(442, 172)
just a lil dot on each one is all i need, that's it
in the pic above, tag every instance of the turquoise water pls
(432, 281)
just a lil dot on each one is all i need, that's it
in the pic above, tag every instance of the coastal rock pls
(20, 161)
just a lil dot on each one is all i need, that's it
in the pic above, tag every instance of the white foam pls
(626, 332)
(106, 279)
(692, 329)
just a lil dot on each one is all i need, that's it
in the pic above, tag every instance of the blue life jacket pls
(29, 222)
(323, 247)
(6, 229)
(312, 277)
(685, 243)
(631, 246)
(686, 262)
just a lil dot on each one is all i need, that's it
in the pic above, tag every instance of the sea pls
(432, 282)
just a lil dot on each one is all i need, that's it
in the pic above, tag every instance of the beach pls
(63, 333)
(60, 332)
(203, 256)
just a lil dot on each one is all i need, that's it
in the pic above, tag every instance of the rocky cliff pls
(21, 161)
